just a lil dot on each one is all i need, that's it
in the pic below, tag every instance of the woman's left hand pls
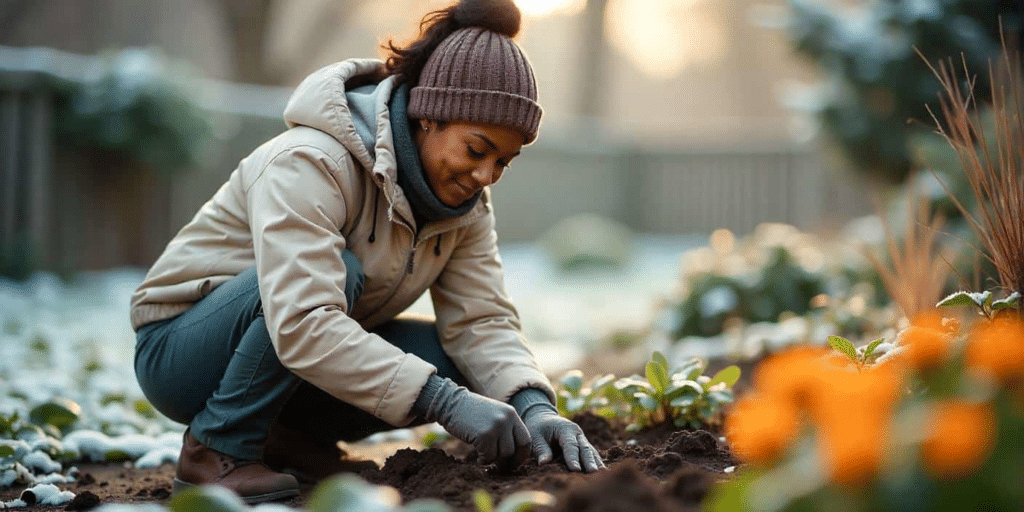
(548, 428)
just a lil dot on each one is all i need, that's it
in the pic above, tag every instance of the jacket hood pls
(322, 101)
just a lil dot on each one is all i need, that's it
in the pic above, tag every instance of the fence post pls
(10, 121)
(39, 163)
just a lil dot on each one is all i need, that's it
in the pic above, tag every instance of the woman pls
(268, 325)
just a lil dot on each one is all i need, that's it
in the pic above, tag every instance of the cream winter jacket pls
(293, 205)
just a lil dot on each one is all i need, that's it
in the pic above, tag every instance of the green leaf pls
(680, 388)
(721, 396)
(60, 413)
(870, 349)
(349, 493)
(525, 501)
(599, 385)
(211, 498)
(683, 401)
(482, 501)
(647, 401)
(6, 451)
(1009, 302)
(960, 298)
(843, 345)
(145, 409)
(691, 369)
(659, 358)
(116, 456)
(657, 375)
(572, 381)
(729, 375)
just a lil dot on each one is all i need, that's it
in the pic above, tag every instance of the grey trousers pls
(214, 368)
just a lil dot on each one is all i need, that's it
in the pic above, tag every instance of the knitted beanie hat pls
(480, 76)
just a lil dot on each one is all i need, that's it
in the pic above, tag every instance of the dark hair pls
(501, 16)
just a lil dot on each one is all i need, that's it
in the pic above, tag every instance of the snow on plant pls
(682, 395)
(69, 392)
(937, 426)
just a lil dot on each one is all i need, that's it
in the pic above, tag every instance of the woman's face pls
(460, 158)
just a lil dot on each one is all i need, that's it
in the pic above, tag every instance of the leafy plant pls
(137, 106)
(984, 301)
(683, 396)
(574, 397)
(861, 357)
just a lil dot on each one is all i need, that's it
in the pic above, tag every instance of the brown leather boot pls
(253, 481)
(292, 451)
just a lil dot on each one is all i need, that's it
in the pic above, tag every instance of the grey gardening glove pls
(547, 427)
(492, 427)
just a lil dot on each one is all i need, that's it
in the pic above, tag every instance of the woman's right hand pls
(492, 427)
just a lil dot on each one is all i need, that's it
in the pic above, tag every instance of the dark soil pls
(661, 469)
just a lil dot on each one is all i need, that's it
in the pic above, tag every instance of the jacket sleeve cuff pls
(529, 398)
(404, 390)
(421, 406)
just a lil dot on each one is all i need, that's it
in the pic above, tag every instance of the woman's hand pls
(548, 428)
(492, 427)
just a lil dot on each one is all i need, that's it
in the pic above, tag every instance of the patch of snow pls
(55, 478)
(41, 462)
(8, 477)
(141, 507)
(49, 494)
(14, 504)
(95, 445)
(157, 457)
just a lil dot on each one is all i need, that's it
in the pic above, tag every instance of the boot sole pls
(249, 500)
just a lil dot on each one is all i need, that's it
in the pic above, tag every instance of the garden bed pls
(659, 469)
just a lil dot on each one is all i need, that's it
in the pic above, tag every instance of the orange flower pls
(761, 428)
(792, 375)
(997, 347)
(960, 437)
(852, 450)
(873, 392)
(927, 340)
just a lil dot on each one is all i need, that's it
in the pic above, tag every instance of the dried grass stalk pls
(917, 268)
(992, 167)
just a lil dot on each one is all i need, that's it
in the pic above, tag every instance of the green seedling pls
(574, 397)
(683, 396)
(985, 303)
(862, 357)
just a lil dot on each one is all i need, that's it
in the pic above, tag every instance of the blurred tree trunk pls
(248, 21)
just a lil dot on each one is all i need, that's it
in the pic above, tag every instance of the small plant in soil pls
(680, 396)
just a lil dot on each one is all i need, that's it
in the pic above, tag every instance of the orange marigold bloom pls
(852, 450)
(871, 393)
(792, 375)
(960, 437)
(760, 428)
(998, 347)
(927, 341)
